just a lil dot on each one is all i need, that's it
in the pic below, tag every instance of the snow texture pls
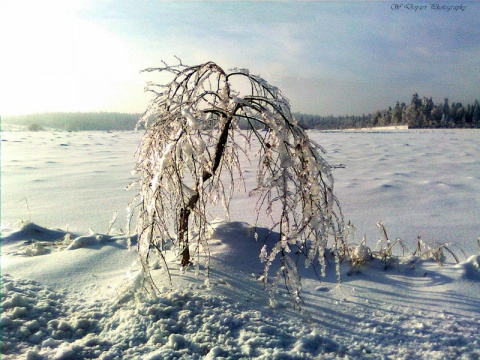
(67, 292)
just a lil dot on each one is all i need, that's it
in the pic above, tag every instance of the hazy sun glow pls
(54, 61)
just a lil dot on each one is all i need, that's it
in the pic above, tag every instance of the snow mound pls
(471, 268)
(93, 240)
(34, 240)
(31, 231)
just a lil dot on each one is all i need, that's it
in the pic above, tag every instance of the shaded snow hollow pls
(415, 309)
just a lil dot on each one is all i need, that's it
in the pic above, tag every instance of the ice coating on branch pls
(263, 254)
(192, 122)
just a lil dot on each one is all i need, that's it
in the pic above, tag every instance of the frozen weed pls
(435, 251)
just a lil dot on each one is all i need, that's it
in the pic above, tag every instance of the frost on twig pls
(193, 135)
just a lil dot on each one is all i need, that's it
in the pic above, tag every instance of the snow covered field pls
(66, 283)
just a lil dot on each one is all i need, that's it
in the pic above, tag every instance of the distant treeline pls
(420, 113)
(92, 121)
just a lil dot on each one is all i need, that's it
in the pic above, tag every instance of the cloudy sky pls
(328, 57)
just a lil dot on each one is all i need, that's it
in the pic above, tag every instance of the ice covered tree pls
(189, 157)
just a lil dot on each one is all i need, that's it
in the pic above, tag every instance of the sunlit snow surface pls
(67, 295)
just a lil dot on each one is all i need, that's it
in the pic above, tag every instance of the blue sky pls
(327, 57)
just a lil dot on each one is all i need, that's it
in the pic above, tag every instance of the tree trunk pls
(192, 202)
(183, 236)
(183, 228)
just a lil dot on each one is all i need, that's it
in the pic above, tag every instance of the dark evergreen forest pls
(420, 113)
